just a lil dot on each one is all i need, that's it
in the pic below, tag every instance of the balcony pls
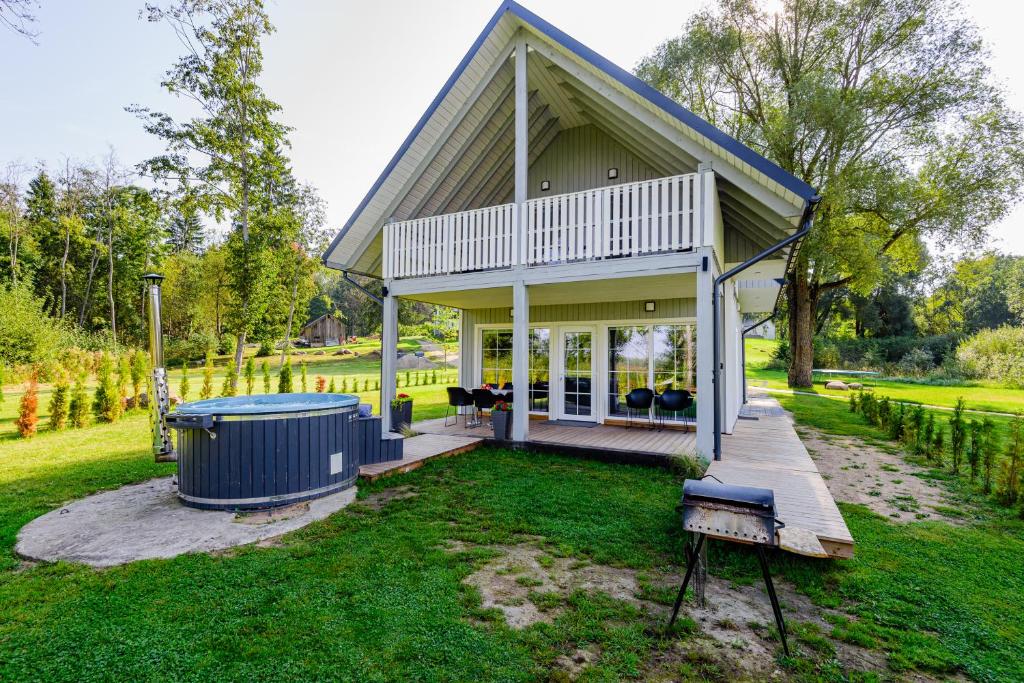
(647, 217)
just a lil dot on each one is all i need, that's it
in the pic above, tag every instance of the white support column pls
(522, 116)
(388, 357)
(705, 353)
(465, 351)
(520, 362)
(731, 374)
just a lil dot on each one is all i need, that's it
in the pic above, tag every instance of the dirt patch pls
(377, 501)
(888, 484)
(271, 514)
(733, 638)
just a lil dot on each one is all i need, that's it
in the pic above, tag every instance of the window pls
(660, 357)
(496, 363)
(628, 364)
(540, 359)
(496, 358)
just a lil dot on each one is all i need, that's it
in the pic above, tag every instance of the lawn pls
(978, 395)
(373, 595)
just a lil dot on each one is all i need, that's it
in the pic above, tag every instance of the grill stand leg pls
(700, 575)
(691, 564)
(774, 599)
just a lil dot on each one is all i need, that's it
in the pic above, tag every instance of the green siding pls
(579, 159)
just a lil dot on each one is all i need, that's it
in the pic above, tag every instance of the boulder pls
(836, 384)
(129, 402)
(372, 355)
(855, 385)
(321, 352)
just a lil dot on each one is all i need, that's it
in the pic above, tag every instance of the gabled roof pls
(458, 155)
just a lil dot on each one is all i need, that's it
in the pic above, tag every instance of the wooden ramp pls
(764, 450)
(419, 449)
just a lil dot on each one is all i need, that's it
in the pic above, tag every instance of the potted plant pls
(401, 412)
(501, 420)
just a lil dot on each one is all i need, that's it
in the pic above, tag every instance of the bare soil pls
(887, 483)
(377, 501)
(731, 639)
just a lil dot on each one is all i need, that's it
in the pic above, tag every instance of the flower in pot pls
(501, 419)
(401, 412)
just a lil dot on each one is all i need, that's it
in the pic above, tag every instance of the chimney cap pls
(152, 278)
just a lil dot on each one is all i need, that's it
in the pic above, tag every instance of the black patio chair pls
(458, 398)
(507, 386)
(673, 401)
(483, 399)
(636, 401)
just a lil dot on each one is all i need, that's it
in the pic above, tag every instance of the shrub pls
(916, 363)
(330, 388)
(230, 385)
(266, 348)
(938, 446)
(928, 437)
(974, 447)
(59, 405)
(227, 343)
(320, 384)
(183, 386)
(196, 346)
(302, 376)
(366, 385)
(207, 389)
(250, 375)
(78, 411)
(1008, 485)
(344, 385)
(957, 435)
(28, 409)
(140, 364)
(29, 334)
(284, 377)
(995, 354)
(265, 367)
(124, 376)
(376, 385)
(895, 428)
(1, 383)
(106, 403)
(990, 448)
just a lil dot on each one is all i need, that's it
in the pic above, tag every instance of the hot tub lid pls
(268, 404)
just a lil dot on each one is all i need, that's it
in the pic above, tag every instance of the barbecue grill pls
(740, 514)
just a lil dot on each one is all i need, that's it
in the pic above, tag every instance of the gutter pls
(805, 227)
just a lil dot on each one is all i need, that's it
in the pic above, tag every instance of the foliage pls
(207, 389)
(124, 375)
(193, 347)
(250, 375)
(106, 402)
(1011, 469)
(30, 335)
(302, 375)
(957, 436)
(28, 410)
(331, 387)
(2, 370)
(78, 411)
(995, 354)
(888, 109)
(284, 377)
(183, 385)
(229, 388)
(140, 365)
(265, 367)
(320, 384)
(974, 294)
(400, 400)
(59, 405)
(990, 449)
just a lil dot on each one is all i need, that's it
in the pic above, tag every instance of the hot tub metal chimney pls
(159, 401)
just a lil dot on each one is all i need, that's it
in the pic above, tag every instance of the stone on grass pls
(836, 384)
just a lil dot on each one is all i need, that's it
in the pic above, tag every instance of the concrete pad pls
(147, 521)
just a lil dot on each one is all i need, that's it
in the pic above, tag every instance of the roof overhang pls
(457, 156)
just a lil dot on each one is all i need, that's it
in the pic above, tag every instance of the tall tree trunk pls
(94, 261)
(291, 313)
(64, 273)
(110, 282)
(802, 304)
(239, 348)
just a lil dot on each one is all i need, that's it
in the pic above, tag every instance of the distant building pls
(764, 330)
(326, 330)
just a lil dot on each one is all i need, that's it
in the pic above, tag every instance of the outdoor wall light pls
(613, 173)
(649, 306)
(545, 185)
(511, 313)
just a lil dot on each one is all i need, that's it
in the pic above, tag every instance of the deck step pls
(416, 451)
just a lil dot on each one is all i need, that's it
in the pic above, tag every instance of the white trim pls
(600, 351)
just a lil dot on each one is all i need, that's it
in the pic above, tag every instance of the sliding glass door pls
(657, 357)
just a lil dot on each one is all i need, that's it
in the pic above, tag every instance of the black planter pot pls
(401, 415)
(502, 422)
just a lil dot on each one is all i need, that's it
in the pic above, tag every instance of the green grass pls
(979, 395)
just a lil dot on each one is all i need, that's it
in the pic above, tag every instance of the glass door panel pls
(577, 374)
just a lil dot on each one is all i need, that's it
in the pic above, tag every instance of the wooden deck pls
(767, 452)
(598, 437)
(419, 449)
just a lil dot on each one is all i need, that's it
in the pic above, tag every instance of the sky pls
(353, 77)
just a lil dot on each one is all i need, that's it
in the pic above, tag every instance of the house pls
(327, 330)
(580, 221)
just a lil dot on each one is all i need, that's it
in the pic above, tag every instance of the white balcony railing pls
(645, 217)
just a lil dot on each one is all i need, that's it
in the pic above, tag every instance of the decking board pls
(418, 450)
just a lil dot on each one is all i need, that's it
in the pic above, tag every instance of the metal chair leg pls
(691, 564)
(448, 410)
(779, 622)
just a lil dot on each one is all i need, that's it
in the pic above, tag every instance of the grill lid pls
(696, 491)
